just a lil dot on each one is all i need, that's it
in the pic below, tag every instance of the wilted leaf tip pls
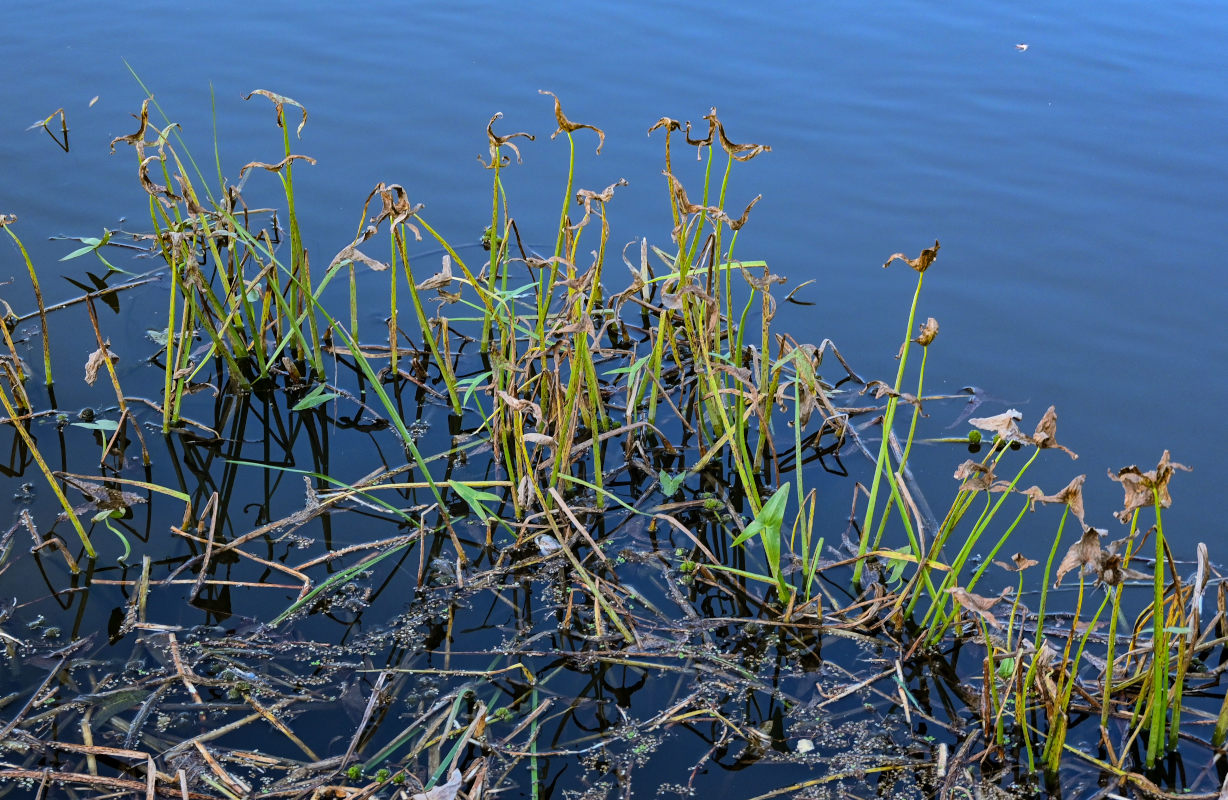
(921, 263)
(281, 101)
(567, 126)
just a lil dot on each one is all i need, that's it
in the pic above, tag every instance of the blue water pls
(1078, 186)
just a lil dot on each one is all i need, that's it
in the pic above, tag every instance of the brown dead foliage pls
(567, 126)
(921, 263)
(280, 102)
(1145, 488)
(496, 142)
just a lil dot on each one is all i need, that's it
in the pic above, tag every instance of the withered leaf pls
(921, 263)
(1084, 554)
(7, 219)
(539, 438)
(395, 206)
(275, 167)
(928, 331)
(521, 405)
(1046, 433)
(139, 136)
(1071, 495)
(497, 142)
(1004, 424)
(440, 279)
(96, 360)
(149, 185)
(1143, 488)
(567, 126)
(976, 603)
(976, 477)
(281, 101)
(352, 253)
(738, 152)
(1020, 562)
(667, 123)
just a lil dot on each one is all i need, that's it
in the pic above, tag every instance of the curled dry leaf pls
(149, 185)
(96, 361)
(395, 206)
(281, 101)
(275, 167)
(1020, 562)
(670, 125)
(1046, 433)
(1071, 496)
(440, 279)
(976, 477)
(1004, 425)
(1106, 563)
(567, 126)
(139, 137)
(976, 603)
(928, 331)
(352, 253)
(1144, 488)
(921, 263)
(586, 198)
(7, 219)
(1084, 554)
(497, 142)
(521, 405)
(738, 152)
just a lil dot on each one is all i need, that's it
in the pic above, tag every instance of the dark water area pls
(1076, 185)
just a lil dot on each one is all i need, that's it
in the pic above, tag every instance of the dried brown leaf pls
(395, 206)
(1004, 425)
(921, 263)
(667, 123)
(1020, 562)
(738, 152)
(96, 361)
(1084, 554)
(278, 166)
(976, 603)
(1143, 488)
(1071, 495)
(976, 476)
(567, 126)
(1046, 433)
(138, 137)
(440, 279)
(497, 142)
(928, 331)
(281, 101)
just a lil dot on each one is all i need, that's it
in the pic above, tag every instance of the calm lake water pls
(1078, 184)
